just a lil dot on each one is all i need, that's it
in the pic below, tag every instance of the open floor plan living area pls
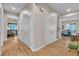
(39, 29)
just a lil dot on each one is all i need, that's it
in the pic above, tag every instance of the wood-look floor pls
(14, 47)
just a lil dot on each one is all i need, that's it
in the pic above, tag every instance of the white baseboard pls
(52, 41)
(34, 50)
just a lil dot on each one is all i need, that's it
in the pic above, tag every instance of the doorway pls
(11, 30)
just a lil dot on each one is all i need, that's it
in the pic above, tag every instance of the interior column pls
(59, 27)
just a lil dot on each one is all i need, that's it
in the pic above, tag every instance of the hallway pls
(14, 47)
(39, 25)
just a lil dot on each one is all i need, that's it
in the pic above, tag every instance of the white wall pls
(11, 21)
(25, 30)
(38, 40)
(11, 18)
(33, 28)
(50, 31)
(3, 24)
(24, 26)
(45, 28)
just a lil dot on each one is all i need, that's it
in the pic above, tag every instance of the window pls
(71, 27)
(12, 26)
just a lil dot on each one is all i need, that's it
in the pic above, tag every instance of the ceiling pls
(60, 8)
(14, 7)
(64, 8)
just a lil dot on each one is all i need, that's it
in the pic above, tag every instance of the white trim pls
(34, 50)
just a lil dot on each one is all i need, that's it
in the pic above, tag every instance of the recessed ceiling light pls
(13, 8)
(41, 9)
(27, 12)
(68, 10)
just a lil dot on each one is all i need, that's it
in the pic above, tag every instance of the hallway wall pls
(3, 24)
(33, 29)
(11, 21)
(25, 26)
